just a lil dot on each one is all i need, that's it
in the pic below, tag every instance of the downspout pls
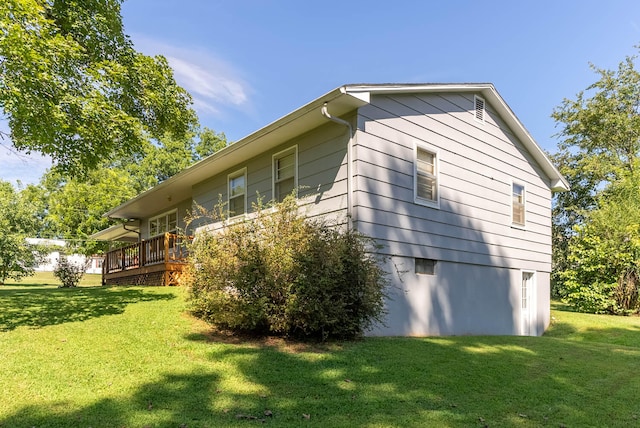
(124, 226)
(350, 211)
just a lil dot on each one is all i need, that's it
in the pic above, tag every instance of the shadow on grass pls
(42, 306)
(392, 382)
(177, 400)
(461, 381)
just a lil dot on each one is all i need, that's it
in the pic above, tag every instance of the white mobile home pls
(444, 176)
(93, 264)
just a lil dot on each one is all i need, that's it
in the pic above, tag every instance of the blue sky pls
(247, 63)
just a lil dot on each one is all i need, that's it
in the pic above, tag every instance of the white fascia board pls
(416, 87)
(557, 182)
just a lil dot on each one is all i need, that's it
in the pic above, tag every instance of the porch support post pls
(166, 247)
(143, 253)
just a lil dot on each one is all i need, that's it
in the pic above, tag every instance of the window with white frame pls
(167, 222)
(237, 203)
(426, 176)
(285, 173)
(518, 204)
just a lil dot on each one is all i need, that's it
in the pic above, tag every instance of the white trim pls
(416, 199)
(242, 172)
(524, 195)
(166, 215)
(278, 155)
(532, 306)
(477, 99)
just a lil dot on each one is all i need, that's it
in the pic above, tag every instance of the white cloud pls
(213, 83)
(202, 83)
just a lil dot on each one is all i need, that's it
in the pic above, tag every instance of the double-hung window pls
(237, 203)
(285, 173)
(426, 176)
(518, 204)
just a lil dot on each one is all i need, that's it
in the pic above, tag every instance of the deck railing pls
(165, 248)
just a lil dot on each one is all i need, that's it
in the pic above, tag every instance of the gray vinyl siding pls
(322, 175)
(477, 164)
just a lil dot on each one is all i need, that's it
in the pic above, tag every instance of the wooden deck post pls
(143, 253)
(166, 247)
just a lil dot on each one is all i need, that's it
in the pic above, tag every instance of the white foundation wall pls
(461, 299)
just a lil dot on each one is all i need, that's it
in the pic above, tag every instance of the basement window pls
(425, 266)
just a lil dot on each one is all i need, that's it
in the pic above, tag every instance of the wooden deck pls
(156, 261)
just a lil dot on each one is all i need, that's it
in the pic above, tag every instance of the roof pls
(126, 231)
(342, 100)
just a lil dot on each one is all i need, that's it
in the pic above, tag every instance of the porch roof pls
(127, 232)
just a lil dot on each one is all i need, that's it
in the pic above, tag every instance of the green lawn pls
(130, 357)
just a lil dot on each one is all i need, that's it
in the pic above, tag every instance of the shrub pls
(282, 273)
(68, 273)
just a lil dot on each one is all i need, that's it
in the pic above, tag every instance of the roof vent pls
(479, 103)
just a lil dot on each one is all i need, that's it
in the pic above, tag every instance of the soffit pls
(119, 232)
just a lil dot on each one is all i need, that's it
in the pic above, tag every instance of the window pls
(285, 173)
(479, 108)
(237, 193)
(517, 204)
(426, 176)
(425, 266)
(167, 222)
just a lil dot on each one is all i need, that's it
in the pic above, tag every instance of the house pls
(93, 264)
(443, 176)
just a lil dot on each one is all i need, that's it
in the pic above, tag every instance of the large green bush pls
(281, 273)
(602, 272)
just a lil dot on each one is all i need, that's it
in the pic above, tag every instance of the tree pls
(603, 257)
(73, 208)
(170, 155)
(18, 258)
(603, 123)
(73, 87)
(210, 142)
(599, 155)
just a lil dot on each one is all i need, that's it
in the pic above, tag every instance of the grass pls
(47, 278)
(131, 357)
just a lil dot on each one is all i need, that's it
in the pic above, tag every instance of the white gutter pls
(350, 212)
